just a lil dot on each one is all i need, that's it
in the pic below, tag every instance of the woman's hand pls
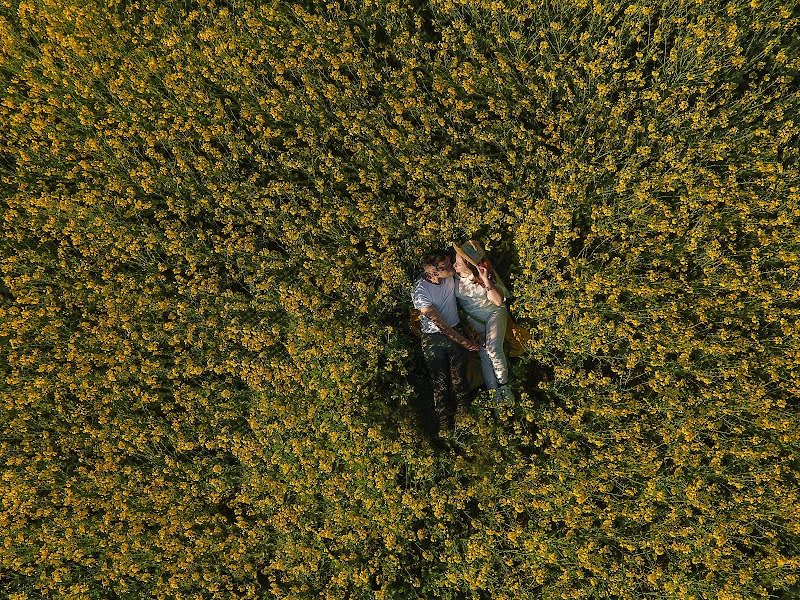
(494, 294)
(484, 274)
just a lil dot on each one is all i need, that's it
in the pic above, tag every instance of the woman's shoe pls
(504, 395)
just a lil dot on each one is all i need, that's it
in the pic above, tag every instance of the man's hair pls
(432, 257)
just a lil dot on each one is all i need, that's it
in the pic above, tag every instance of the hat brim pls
(463, 254)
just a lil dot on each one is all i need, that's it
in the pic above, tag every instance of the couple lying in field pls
(469, 281)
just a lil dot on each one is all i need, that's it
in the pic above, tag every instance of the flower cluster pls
(212, 214)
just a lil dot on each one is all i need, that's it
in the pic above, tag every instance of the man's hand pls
(475, 338)
(437, 319)
(471, 346)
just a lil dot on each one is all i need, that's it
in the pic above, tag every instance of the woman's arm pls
(494, 294)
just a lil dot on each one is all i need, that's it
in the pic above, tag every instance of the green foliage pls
(212, 215)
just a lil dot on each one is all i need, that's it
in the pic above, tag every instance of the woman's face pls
(461, 267)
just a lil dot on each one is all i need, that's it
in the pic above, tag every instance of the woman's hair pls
(476, 276)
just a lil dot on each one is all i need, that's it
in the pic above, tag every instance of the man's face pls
(441, 268)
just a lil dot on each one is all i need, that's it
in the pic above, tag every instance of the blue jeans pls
(493, 359)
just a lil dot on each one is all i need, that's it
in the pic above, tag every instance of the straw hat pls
(470, 251)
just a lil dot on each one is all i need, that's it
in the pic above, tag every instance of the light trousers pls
(494, 364)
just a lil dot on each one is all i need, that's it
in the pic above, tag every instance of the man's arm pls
(436, 318)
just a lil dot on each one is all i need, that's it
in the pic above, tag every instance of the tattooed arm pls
(437, 319)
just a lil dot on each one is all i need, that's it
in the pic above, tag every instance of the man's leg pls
(435, 350)
(457, 355)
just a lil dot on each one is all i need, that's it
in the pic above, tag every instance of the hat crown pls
(471, 251)
(474, 250)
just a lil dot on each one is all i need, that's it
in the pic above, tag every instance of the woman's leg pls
(495, 334)
(487, 368)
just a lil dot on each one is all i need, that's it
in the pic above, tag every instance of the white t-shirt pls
(441, 296)
(474, 300)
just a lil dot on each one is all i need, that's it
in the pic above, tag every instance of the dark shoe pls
(447, 423)
(461, 410)
(440, 444)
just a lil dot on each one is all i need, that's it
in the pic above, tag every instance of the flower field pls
(212, 215)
